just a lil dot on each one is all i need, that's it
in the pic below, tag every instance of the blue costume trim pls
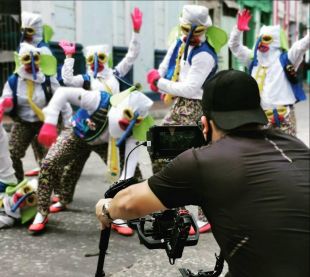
(33, 67)
(128, 130)
(299, 93)
(20, 201)
(188, 40)
(276, 117)
(172, 61)
(95, 65)
(81, 119)
(204, 47)
(42, 43)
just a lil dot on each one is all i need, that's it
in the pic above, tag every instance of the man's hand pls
(152, 78)
(136, 18)
(243, 20)
(7, 103)
(68, 47)
(103, 219)
(48, 134)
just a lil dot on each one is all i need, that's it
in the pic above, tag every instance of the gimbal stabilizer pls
(169, 231)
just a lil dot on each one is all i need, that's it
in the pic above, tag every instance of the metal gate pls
(9, 37)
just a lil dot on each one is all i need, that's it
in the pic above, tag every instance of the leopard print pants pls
(62, 167)
(22, 135)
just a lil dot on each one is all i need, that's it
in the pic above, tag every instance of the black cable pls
(126, 160)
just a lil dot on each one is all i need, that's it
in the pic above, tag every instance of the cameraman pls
(252, 183)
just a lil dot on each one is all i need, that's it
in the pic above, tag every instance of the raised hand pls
(152, 77)
(48, 134)
(136, 17)
(243, 20)
(68, 47)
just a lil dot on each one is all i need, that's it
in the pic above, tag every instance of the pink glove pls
(68, 47)
(7, 103)
(243, 20)
(1, 113)
(136, 18)
(48, 134)
(153, 76)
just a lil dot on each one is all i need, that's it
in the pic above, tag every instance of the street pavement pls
(71, 234)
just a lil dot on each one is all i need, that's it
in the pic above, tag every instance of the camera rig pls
(169, 229)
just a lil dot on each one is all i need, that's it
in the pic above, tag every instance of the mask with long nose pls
(269, 37)
(96, 58)
(96, 62)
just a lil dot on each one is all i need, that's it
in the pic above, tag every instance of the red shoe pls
(122, 229)
(37, 228)
(54, 209)
(205, 228)
(55, 199)
(33, 172)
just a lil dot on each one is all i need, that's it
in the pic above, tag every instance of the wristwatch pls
(105, 211)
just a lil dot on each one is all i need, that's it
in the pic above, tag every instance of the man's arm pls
(133, 202)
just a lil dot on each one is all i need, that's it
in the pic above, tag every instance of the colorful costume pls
(35, 33)
(28, 91)
(18, 202)
(189, 62)
(92, 93)
(274, 67)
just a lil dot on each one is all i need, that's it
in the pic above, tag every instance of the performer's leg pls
(39, 151)
(145, 163)
(21, 137)
(130, 161)
(7, 175)
(66, 149)
(288, 125)
(70, 177)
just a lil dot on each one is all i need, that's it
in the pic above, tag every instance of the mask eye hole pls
(102, 57)
(267, 39)
(36, 58)
(185, 29)
(199, 30)
(28, 31)
(90, 59)
(25, 59)
(128, 114)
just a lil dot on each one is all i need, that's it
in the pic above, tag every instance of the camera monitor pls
(166, 142)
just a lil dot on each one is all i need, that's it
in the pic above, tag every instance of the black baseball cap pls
(231, 99)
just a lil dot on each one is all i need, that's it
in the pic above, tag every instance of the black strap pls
(47, 88)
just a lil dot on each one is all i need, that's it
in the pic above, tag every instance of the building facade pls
(109, 22)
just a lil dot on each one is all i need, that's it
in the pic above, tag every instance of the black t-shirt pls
(254, 190)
